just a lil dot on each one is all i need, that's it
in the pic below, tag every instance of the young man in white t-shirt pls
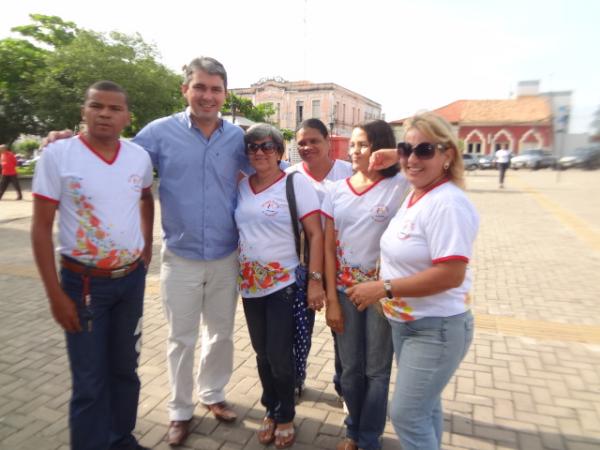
(101, 187)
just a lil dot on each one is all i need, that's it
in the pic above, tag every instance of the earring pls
(446, 165)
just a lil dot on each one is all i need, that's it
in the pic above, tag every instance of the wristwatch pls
(387, 285)
(317, 276)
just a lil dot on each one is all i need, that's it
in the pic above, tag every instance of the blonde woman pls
(425, 279)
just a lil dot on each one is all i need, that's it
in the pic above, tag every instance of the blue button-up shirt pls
(198, 184)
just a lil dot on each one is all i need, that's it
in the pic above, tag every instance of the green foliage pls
(20, 62)
(43, 89)
(288, 134)
(26, 146)
(595, 126)
(244, 107)
(50, 30)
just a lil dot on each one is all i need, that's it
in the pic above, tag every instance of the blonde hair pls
(440, 131)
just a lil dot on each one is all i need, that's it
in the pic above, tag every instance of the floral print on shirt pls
(93, 244)
(349, 275)
(397, 308)
(255, 277)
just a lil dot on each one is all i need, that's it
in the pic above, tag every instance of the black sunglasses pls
(266, 147)
(424, 150)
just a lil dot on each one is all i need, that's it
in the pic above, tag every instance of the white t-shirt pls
(339, 171)
(267, 250)
(99, 201)
(502, 156)
(440, 226)
(359, 221)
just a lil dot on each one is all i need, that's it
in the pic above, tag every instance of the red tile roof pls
(530, 109)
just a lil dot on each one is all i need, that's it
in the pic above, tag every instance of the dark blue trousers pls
(270, 322)
(104, 361)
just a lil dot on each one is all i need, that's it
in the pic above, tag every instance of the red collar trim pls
(366, 190)
(95, 152)
(312, 176)
(283, 174)
(412, 200)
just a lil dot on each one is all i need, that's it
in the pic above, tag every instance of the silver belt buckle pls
(118, 273)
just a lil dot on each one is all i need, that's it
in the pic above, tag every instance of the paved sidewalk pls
(531, 380)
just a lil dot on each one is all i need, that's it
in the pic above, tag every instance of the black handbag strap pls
(291, 199)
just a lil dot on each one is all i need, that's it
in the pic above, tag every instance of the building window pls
(278, 113)
(353, 118)
(344, 113)
(474, 147)
(316, 109)
(299, 112)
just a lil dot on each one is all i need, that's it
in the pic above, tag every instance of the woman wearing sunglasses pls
(268, 259)
(425, 280)
(358, 210)
(314, 146)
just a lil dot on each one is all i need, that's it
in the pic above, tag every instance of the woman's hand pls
(365, 294)
(316, 295)
(382, 159)
(334, 316)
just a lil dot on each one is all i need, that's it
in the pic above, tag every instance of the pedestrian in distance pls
(97, 183)
(503, 160)
(8, 163)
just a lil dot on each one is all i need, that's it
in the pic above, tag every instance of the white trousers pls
(199, 297)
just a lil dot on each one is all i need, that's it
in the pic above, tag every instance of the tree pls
(127, 60)
(595, 126)
(20, 61)
(43, 76)
(245, 107)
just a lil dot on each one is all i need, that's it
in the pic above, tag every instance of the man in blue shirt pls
(198, 157)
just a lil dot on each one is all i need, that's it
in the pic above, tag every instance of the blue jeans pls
(104, 361)
(428, 352)
(270, 322)
(365, 349)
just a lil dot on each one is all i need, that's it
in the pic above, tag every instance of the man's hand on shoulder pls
(54, 136)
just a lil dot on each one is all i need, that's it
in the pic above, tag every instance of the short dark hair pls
(106, 85)
(315, 124)
(380, 135)
(260, 131)
(206, 64)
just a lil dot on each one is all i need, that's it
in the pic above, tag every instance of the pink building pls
(294, 101)
(531, 120)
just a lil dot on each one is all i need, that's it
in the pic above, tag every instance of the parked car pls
(585, 158)
(470, 161)
(487, 162)
(534, 159)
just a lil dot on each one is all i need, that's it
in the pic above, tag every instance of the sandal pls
(266, 432)
(285, 437)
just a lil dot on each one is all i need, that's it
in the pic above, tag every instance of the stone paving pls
(530, 381)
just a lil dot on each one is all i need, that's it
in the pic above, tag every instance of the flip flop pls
(266, 433)
(285, 438)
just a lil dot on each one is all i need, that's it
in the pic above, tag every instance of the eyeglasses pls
(266, 147)
(424, 150)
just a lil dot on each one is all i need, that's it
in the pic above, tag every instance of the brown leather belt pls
(96, 272)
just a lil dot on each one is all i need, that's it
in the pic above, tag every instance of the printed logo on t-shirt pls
(270, 208)
(135, 182)
(405, 230)
(379, 213)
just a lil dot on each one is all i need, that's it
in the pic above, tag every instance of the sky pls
(406, 55)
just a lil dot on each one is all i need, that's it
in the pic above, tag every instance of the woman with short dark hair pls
(268, 259)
